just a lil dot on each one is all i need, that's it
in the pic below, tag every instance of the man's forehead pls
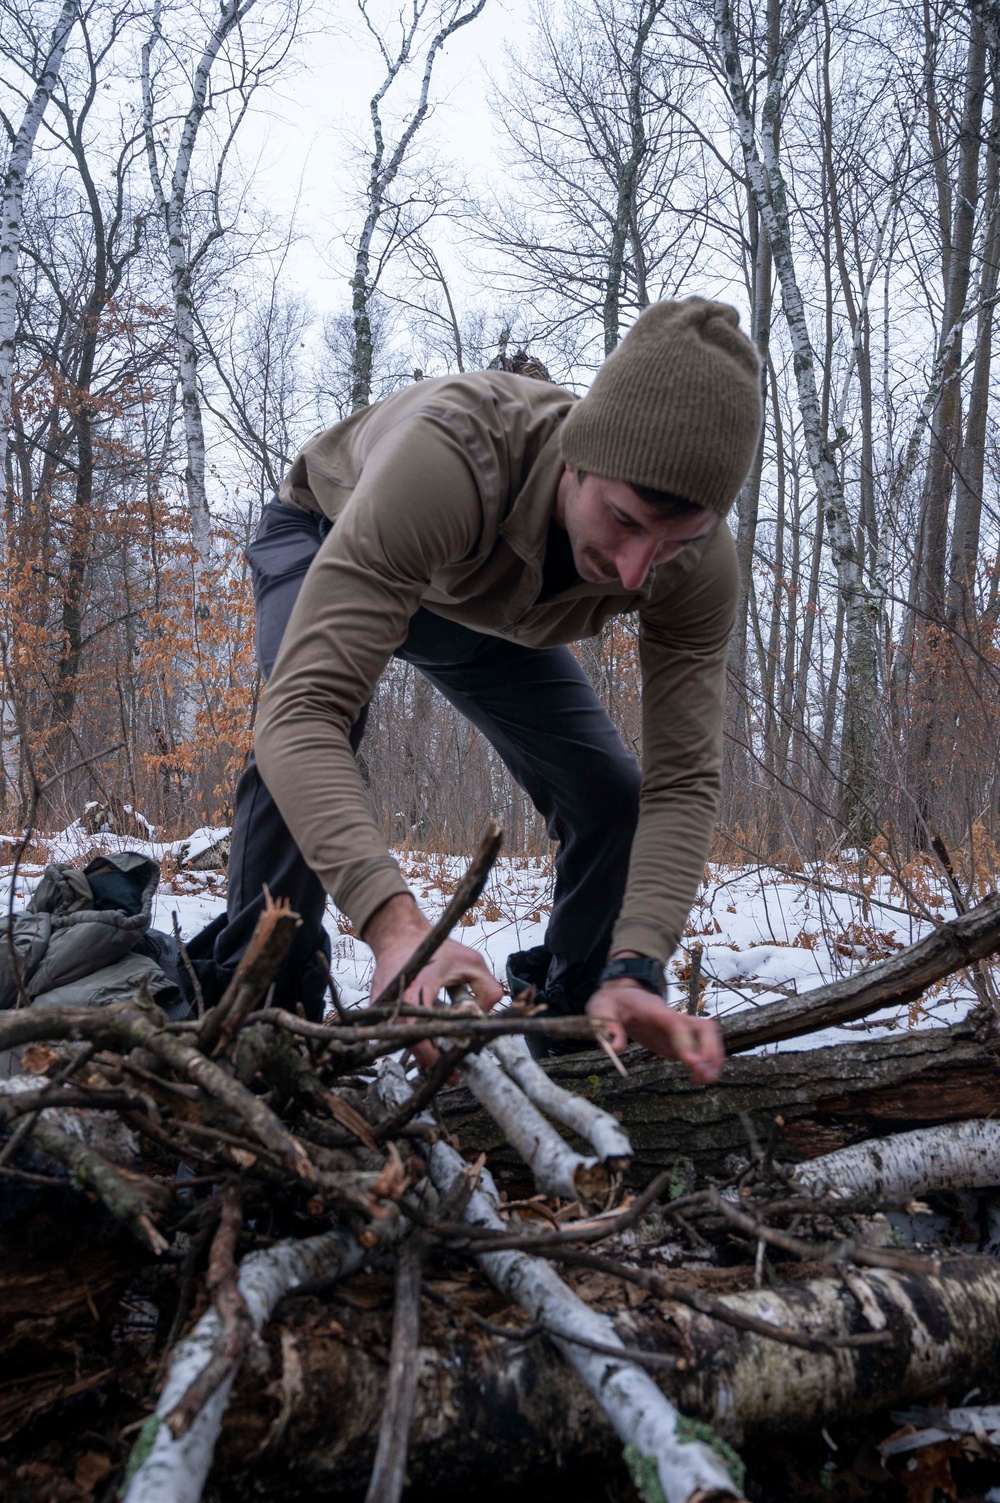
(687, 525)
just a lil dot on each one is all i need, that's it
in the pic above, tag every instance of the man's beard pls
(594, 567)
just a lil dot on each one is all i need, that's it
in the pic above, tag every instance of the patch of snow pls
(764, 933)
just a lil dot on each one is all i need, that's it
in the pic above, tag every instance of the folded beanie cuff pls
(677, 407)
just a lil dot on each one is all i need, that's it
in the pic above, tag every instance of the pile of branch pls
(674, 1272)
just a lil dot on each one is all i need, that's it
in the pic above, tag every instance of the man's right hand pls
(393, 932)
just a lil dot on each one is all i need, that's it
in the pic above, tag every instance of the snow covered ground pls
(763, 932)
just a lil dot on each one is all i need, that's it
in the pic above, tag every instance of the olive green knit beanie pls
(676, 406)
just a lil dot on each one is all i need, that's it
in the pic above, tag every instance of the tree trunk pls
(10, 213)
(172, 204)
(969, 473)
(861, 605)
(824, 1098)
(515, 1409)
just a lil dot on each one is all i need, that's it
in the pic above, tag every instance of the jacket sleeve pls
(683, 645)
(415, 508)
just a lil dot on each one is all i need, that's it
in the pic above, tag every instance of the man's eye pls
(624, 520)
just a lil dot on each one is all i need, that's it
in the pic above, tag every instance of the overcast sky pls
(306, 123)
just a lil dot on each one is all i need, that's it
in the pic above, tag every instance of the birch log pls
(955, 1156)
(165, 1470)
(599, 1128)
(514, 1409)
(557, 1168)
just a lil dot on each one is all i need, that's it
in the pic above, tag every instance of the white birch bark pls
(165, 1470)
(558, 1169)
(11, 215)
(955, 1156)
(862, 605)
(665, 1464)
(599, 1128)
(382, 174)
(171, 202)
(662, 1461)
(945, 1334)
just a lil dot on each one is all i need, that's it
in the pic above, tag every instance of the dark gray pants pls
(535, 706)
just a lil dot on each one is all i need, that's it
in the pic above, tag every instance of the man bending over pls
(474, 525)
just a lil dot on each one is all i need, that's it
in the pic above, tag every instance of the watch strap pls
(641, 969)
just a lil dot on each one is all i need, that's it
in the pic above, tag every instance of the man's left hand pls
(632, 1012)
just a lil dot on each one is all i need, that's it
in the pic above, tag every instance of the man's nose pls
(634, 561)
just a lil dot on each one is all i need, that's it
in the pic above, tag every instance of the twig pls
(84, 1098)
(596, 1229)
(715, 1309)
(466, 893)
(694, 981)
(196, 991)
(272, 935)
(236, 1325)
(437, 1076)
(339, 1008)
(978, 973)
(845, 1250)
(186, 1280)
(401, 1035)
(139, 1024)
(389, 1471)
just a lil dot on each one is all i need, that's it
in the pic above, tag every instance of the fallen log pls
(958, 1156)
(893, 983)
(488, 1403)
(816, 1100)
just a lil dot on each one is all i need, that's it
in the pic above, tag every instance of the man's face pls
(615, 535)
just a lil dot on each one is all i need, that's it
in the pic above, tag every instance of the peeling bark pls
(517, 1409)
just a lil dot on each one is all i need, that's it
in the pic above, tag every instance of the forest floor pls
(763, 933)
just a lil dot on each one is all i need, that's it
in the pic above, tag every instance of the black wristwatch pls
(638, 968)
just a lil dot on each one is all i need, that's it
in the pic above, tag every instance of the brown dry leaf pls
(91, 1469)
(38, 1059)
(598, 1289)
(927, 1474)
(46, 1485)
(242, 1158)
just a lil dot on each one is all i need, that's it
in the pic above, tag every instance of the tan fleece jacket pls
(441, 496)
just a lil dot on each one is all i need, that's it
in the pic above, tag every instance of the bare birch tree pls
(609, 209)
(41, 61)
(765, 174)
(388, 221)
(191, 230)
